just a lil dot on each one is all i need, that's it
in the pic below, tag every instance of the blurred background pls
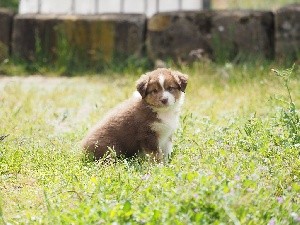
(54, 32)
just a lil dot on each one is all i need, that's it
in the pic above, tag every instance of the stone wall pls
(98, 37)
(181, 36)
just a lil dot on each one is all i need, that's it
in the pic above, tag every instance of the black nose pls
(164, 101)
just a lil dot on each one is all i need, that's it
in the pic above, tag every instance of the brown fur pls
(128, 128)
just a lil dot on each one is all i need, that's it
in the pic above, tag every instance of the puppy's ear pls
(181, 79)
(142, 84)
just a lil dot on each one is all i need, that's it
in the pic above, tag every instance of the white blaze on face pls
(161, 80)
(166, 94)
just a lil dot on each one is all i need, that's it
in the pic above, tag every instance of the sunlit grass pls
(234, 161)
(250, 4)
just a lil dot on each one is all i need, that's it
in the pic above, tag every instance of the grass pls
(12, 4)
(250, 4)
(235, 158)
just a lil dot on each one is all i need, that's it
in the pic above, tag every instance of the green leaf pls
(127, 206)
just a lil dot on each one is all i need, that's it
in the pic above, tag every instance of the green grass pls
(12, 4)
(251, 4)
(235, 161)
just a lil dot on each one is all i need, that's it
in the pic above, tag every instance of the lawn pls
(236, 155)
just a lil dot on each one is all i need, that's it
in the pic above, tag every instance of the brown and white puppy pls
(144, 123)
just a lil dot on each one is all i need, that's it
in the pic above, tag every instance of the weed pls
(224, 49)
(290, 118)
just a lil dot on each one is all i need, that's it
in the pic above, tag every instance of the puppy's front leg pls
(155, 156)
(167, 148)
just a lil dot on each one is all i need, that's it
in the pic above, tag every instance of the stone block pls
(34, 36)
(188, 36)
(177, 35)
(243, 33)
(6, 23)
(99, 37)
(109, 35)
(287, 32)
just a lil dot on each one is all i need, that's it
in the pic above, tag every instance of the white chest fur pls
(169, 121)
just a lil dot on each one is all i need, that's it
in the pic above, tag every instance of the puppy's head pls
(162, 88)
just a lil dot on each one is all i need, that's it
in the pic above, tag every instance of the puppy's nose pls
(164, 101)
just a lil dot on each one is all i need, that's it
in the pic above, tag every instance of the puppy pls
(144, 123)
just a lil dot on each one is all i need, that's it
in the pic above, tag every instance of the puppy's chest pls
(167, 124)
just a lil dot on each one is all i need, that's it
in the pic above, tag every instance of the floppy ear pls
(141, 85)
(181, 79)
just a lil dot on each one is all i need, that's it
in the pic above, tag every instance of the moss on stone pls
(95, 37)
(159, 22)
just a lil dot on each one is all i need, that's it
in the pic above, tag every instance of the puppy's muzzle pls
(164, 101)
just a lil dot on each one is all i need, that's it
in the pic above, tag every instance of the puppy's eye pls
(170, 89)
(154, 91)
